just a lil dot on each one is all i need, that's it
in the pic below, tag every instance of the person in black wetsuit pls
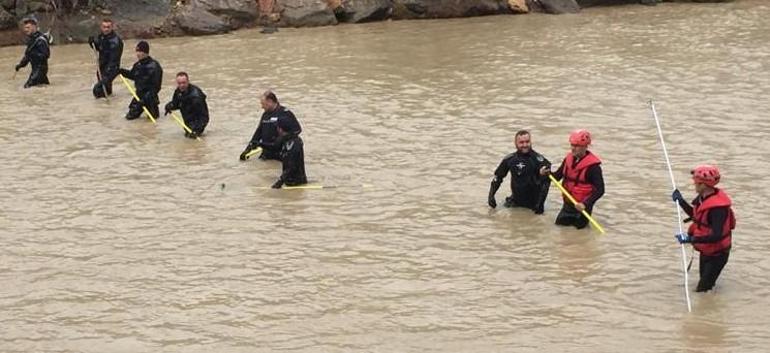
(713, 223)
(37, 54)
(191, 101)
(266, 135)
(148, 77)
(292, 154)
(110, 48)
(581, 175)
(528, 187)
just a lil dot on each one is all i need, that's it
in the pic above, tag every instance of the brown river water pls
(117, 236)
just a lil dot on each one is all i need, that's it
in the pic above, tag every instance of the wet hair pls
(29, 20)
(182, 73)
(107, 20)
(269, 95)
(521, 133)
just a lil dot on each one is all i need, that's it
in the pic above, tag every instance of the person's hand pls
(580, 207)
(91, 42)
(539, 210)
(491, 201)
(18, 67)
(677, 196)
(544, 170)
(168, 109)
(277, 184)
(683, 238)
(124, 72)
(191, 134)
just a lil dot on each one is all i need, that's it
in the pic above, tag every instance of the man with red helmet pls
(712, 223)
(581, 174)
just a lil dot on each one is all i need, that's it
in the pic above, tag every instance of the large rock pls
(405, 9)
(306, 13)
(7, 21)
(239, 10)
(358, 11)
(197, 21)
(555, 7)
(215, 16)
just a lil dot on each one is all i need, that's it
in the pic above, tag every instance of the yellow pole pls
(253, 152)
(183, 125)
(572, 199)
(133, 93)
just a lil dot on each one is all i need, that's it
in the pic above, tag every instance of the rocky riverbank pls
(74, 20)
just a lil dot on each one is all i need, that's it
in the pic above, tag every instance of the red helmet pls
(580, 137)
(706, 174)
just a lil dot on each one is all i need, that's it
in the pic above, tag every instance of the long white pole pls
(676, 205)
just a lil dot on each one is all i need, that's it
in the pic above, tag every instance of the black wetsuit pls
(37, 54)
(529, 189)
(192, 104)
(148, 77)
(569, 215)
(293, 160)
(110, 48)
(266, 135)
(710, 266)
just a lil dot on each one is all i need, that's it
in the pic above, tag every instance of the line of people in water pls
(278, 136)
(277, 133)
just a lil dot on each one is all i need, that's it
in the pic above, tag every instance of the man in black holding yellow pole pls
(191, 101)
(148, 76)
(266, 135)
(110, 49)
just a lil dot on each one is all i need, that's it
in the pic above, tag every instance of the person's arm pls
(497, 180)
(174, 104)
(559, 173)
(157, 77)
(686, 207)
(544, 183)
(717, 218)
(129, 74)
(596, 179)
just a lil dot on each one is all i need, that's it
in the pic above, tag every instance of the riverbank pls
(73, 21)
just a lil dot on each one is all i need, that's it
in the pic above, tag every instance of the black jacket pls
(293, 159)
(147, 75)
(192, 104)
(37, 51)
(266, 135)
(110, 48)
(528, 187)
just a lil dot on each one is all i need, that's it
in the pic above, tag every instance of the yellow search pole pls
(572, 199)
(253, 152)
(133, 93)
(183, 125)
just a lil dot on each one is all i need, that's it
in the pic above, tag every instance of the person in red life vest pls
(712, 224)
(581, 174)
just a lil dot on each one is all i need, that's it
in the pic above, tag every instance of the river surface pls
(119, 236)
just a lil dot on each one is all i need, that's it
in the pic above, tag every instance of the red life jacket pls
(701, 228)
(575, 178)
